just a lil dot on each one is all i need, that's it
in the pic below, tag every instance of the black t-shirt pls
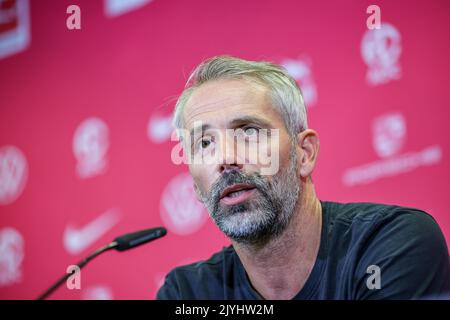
(405, 244)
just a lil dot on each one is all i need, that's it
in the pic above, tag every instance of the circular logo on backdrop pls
(159, 128)
(90, 145)
(180, 209)
(389, 133)
(301, 71)
(381, 49)
(13, 174)
(11, 256)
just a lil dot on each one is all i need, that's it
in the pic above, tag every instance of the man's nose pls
(229, 158)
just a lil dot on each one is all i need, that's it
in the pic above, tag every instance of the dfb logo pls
(90, 145)
(301, 70)
(159, 128)
(380, 50)
(388, 138)
(13, 174)
(11, 256)
(388, 134)
(14, 27)
(181, 212)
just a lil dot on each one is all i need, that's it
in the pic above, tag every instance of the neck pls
(280, 268)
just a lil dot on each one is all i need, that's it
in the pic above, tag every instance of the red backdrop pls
(85, 123)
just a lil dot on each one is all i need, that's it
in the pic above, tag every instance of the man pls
(286, 243)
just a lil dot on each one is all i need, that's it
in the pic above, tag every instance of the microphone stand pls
(80, 265)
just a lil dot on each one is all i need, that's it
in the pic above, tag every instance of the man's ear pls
(308, 145)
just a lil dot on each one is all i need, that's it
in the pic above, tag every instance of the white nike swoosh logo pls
(77, 239)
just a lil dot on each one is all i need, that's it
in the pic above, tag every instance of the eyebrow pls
(234, 123)
(249, 119)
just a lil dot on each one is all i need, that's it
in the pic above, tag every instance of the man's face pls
(227, 118)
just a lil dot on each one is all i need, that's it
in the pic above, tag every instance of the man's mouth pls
(236, 193)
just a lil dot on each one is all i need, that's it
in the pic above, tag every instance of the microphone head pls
(135, 239)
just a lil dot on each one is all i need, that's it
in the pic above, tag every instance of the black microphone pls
(121, 243)
(135, 239)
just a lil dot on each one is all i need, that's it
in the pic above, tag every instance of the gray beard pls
(263, 217)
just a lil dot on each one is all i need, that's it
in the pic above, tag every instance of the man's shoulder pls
(200, 280)
(215, 262)
(364, 225)
(406, 244)
(372, 213)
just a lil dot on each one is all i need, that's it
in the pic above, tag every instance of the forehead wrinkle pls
(198, 109)
(201, 111)
(243, 94)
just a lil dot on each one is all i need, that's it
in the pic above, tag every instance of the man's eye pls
(250, 131)
(204, 143)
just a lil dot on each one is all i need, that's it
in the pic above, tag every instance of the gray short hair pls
(286, 94)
